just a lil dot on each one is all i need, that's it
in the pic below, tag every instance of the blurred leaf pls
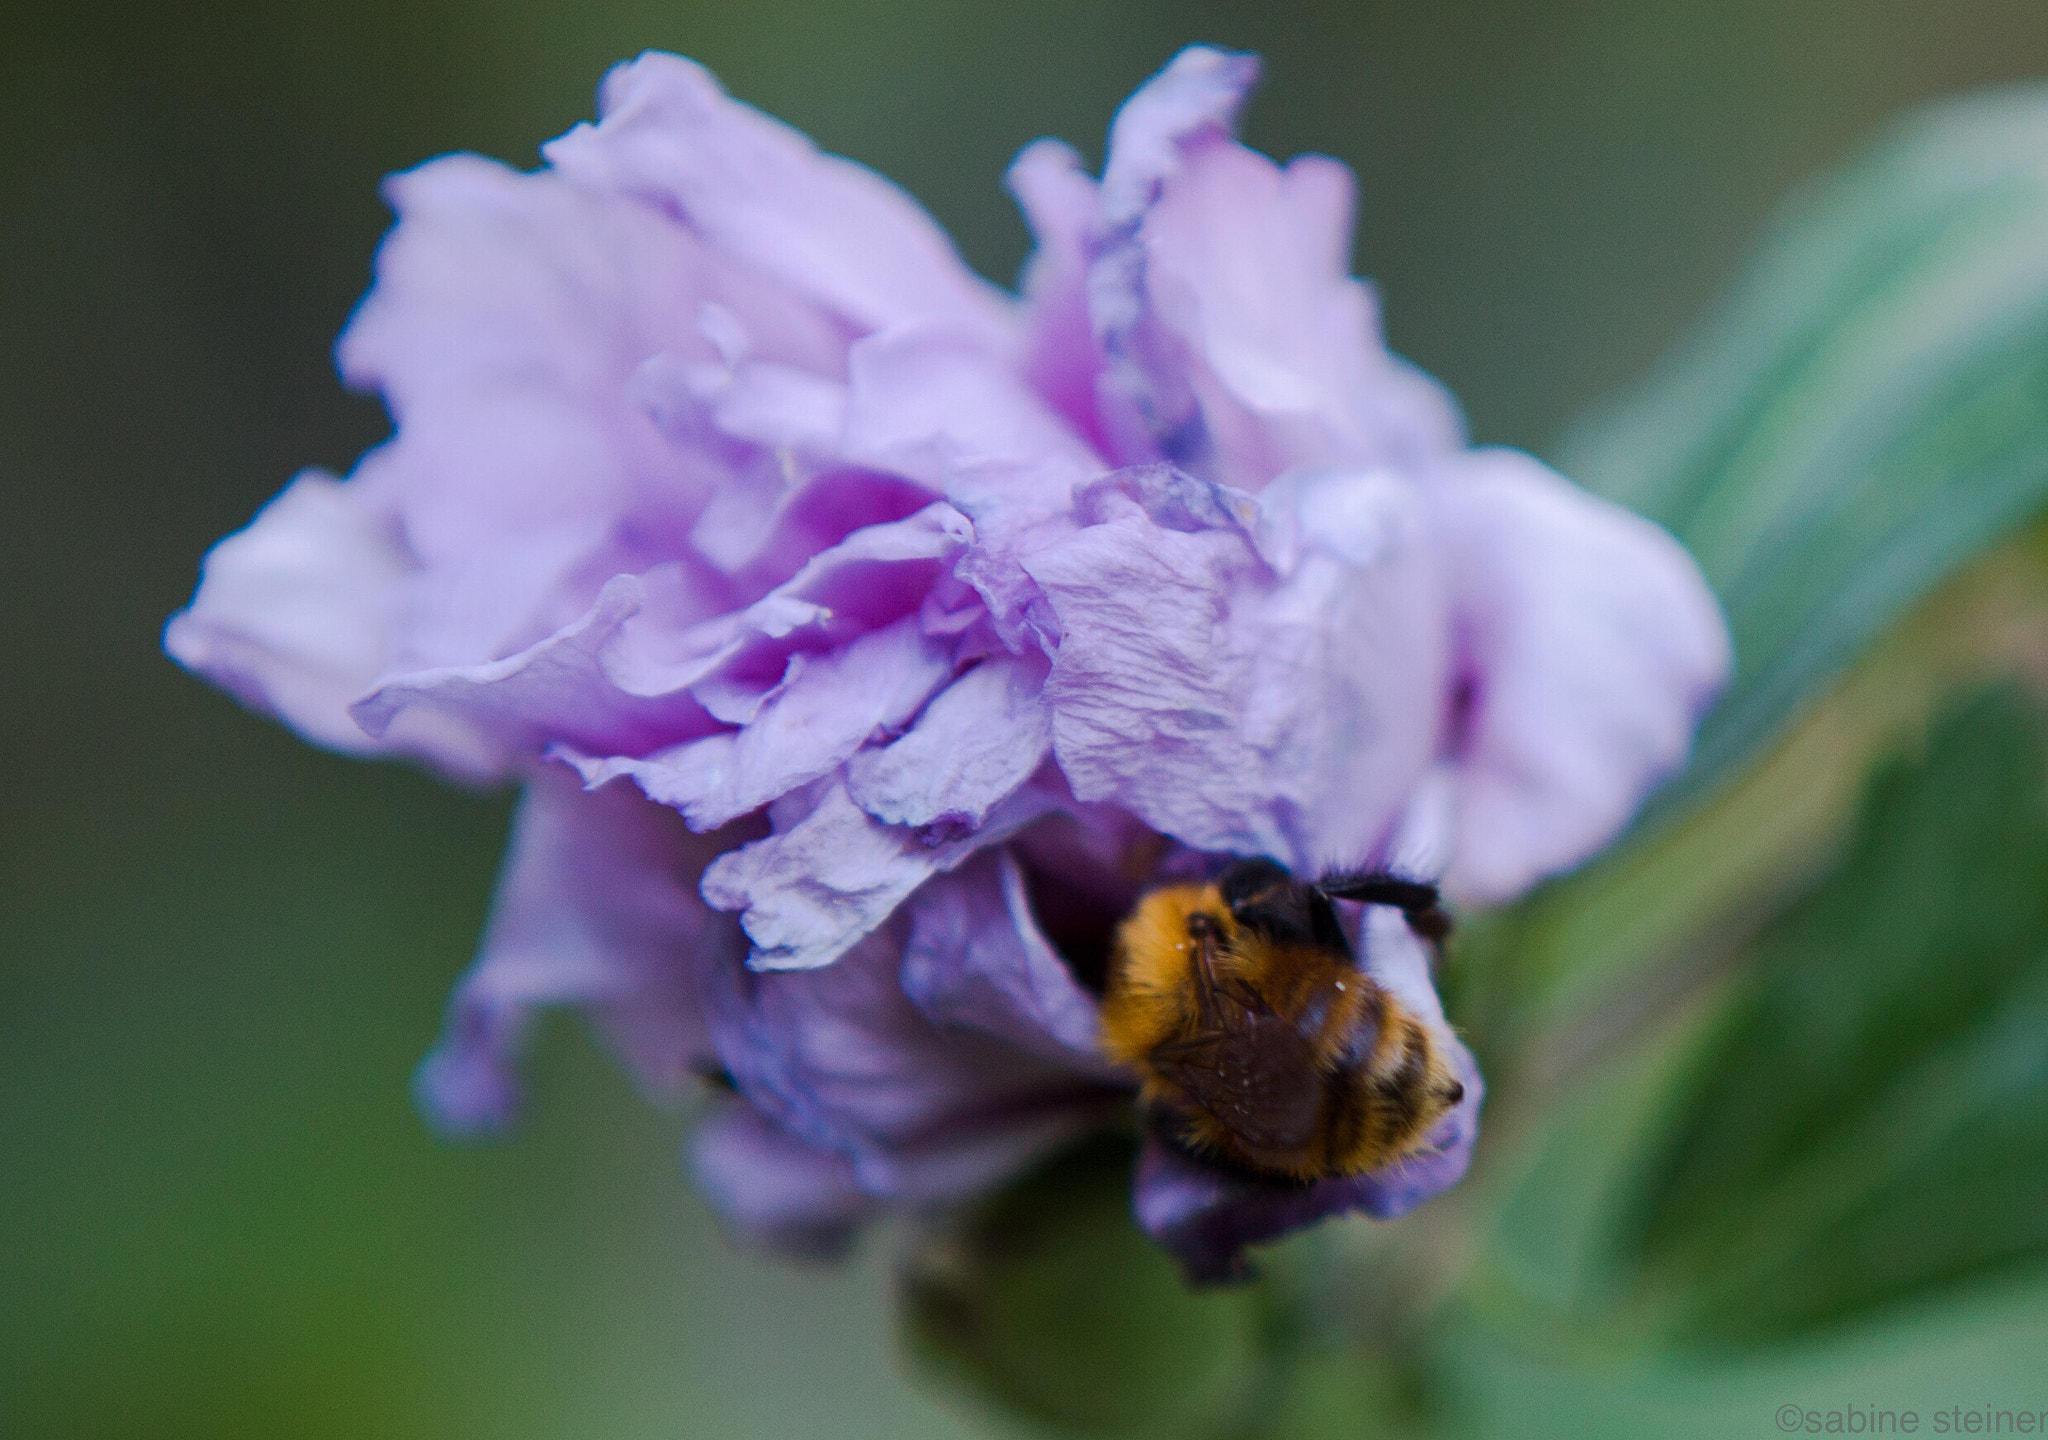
(1871, 1121)
(1866, 411)
(1050, 1302)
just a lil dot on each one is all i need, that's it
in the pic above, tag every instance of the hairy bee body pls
(1257, 1037)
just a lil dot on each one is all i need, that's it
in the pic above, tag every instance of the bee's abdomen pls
(1383, 1107)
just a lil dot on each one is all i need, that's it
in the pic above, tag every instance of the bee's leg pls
(1208, 1010)
(1417, 900)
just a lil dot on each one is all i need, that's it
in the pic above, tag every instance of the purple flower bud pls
(868, 640)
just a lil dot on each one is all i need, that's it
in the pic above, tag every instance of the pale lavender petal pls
(762, 192)
(638, 671)
(819, 884)
(1149, 405)
(772, 1188)
(596, 909)
(828, 706)
(1390, 952)
(775, 405)
(561, 690)
(976, 957)
(872, 577)
(294, 614)
(1194, 99)
(1592, 644)
(1236, 342)
(1247, 264)
(792, 420)
(1061, 358)
(509, 315)
(1234, 706)
(842, 1059)
(979, 739)
(928, 405)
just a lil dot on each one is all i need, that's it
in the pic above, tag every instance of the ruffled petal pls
(928, 405)
(777, 428)
(976, 743)
(509, 316)
(294, 614)
(763, 193)
(831, 874)
(596, 908)
(1061, 358)
(1592, 644)
(826, 708)
(772, 1188)
(1237, 343)
(561, 690)
(977, 958)
(1149, 408)
(639, 671)
(840, 1058)
(1237, 705)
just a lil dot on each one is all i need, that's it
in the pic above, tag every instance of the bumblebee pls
(1259, 1039)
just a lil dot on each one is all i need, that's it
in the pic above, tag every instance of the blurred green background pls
(221, 952)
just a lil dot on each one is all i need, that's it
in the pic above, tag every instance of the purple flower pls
(868, 640)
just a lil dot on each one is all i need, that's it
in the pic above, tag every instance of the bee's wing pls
(1256, 1075)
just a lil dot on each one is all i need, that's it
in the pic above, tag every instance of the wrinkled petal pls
(774, 1189)
(596, 908)
(770, 436)
(827, 707)
(977, 958)
(509, 315)
(1149, 407)
(1236, 707)
(812, 890)
(1248, 265)
(1592, 645)
(1237, 344)
(1061, 359)
(560, 689)
(763, 193)
(788, 423)
(874, 576)
(294, 614)
(639, 671)
(928, 405)
(976, 743)
(1195, 99)
(841, 1058)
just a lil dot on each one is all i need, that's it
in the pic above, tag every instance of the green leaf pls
(1866, 410)
(1871, 1120)
(1051, 1303)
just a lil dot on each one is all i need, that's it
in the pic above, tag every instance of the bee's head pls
(1266, 900)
